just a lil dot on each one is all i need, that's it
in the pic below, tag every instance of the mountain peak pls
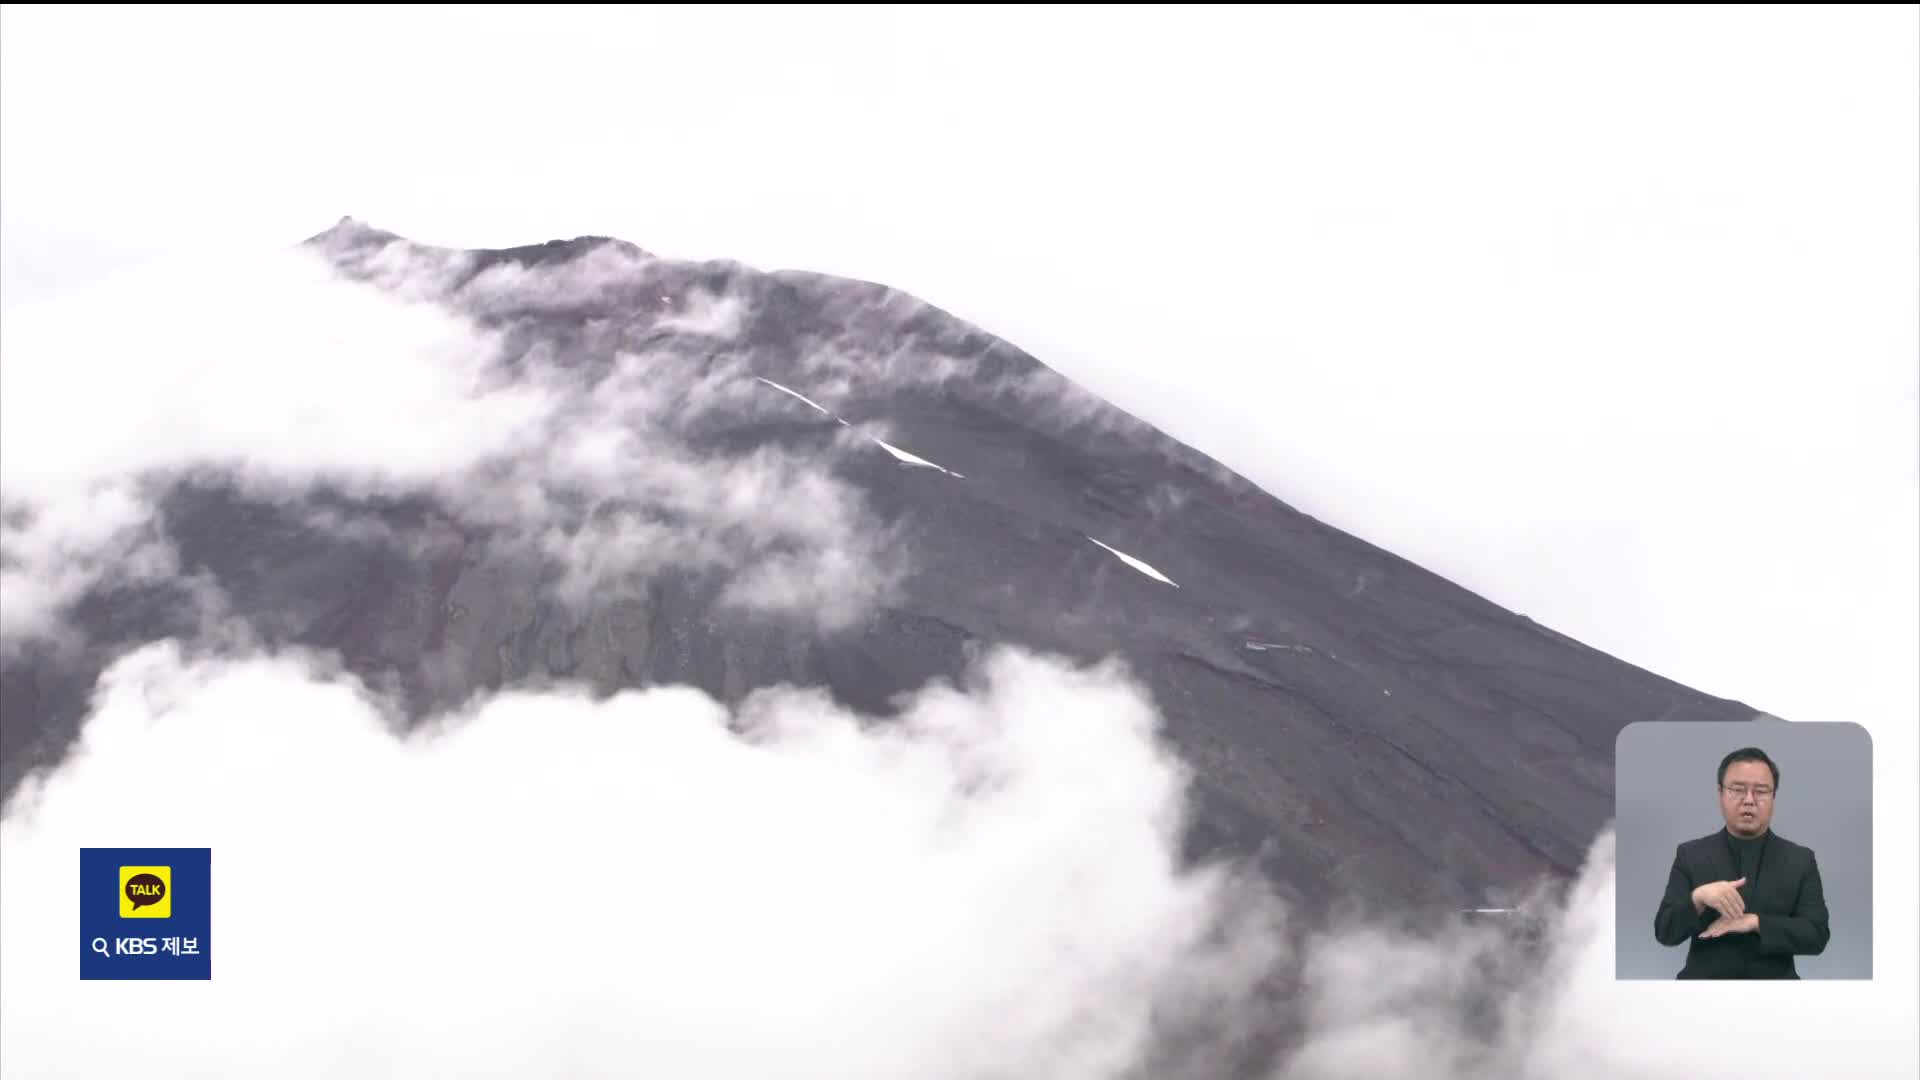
(351, 233)
(740, 480)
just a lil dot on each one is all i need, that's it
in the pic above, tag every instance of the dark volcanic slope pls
(1362, 724)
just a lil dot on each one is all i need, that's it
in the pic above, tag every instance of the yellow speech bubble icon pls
(146, 892)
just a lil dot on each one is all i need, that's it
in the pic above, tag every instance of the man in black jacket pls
(1747, 899)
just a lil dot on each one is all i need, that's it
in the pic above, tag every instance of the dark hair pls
(1748, 753)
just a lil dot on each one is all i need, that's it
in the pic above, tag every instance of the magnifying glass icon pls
(100, 946)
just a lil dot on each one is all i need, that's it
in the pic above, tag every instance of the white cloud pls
(706, 313)
(1391, 1002)
(603, 275)
(280, 374)
(50, 553)
(983, 888)
(848, 364)
(268, 368)
(271, 364)
(986, 886)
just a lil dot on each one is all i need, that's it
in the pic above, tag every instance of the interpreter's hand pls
(1722, 896)
(1726, 924)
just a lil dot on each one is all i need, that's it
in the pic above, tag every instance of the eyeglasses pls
(1741, 791)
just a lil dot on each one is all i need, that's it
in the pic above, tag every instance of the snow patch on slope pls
(903, 456)
(816, 406)
(912, 459)
(1138, 565)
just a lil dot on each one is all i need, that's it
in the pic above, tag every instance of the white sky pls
(1609, 314)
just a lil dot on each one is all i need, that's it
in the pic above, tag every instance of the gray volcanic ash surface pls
(733, 479)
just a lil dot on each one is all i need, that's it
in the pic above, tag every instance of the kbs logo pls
(146, 892)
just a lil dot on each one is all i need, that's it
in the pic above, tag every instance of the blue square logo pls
(146, 913)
